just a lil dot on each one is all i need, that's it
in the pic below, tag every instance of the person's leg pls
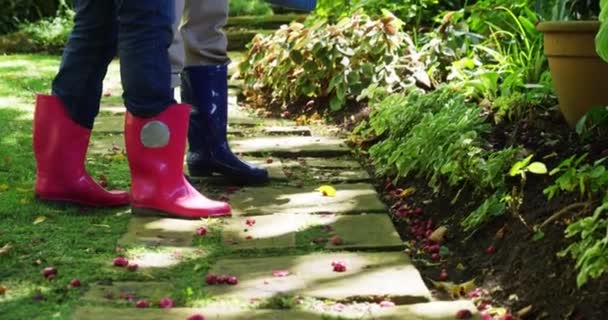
(205, 87)
(177, 54)
(63, 121)
(155, 126)
(90, 48)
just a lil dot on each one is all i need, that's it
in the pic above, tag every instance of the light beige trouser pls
(198, 36)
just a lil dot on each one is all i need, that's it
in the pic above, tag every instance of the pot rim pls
(569, 26)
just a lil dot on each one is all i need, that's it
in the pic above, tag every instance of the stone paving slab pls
(333, 176)
(268, 232)
(361, 232)
(155, 232)
(288, 131)
(117, 292)
(424, 311)
(291, 146)
(279, 231)
(350, 199)
(368, 275)
(331, 163)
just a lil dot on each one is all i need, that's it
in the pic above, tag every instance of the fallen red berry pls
(133, 267)
(202, 231)
(418, 211)
(49, 273)
(269, 160)
(222, 279)
(387, 304)
(491, 250)
(250, 222)
(280, 273)
(121, 262)
(434, 248)
(233, 281)
(212, 279)
(464, 314)
(336, 241)
(508, 316)
(443, 276)
(75, 283)
(339, 266)
(196, 317)
(436, 256)
(142, 304)
(286, 114)
(166, 303)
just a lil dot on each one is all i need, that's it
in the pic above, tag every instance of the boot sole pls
(147, 212)
(65, 201)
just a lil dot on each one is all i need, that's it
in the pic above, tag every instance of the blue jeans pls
(140, 31)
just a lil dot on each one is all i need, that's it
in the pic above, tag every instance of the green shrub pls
(335, 61)
(437, 136)
(249, 8)
(17, 12)
(52, 33)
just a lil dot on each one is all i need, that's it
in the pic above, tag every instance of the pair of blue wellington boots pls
(205, 88)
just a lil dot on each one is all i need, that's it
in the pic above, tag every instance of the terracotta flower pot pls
(580, 76)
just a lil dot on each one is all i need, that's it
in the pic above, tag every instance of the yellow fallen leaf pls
(407, 192)
(40, 220)
(460, 267)
(455, 290)
(327, 191)
(3, 187)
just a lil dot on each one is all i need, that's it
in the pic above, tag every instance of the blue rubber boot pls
(206, 89)
(302, 5)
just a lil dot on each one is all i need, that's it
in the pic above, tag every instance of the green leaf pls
(538, 168)
(335, 104)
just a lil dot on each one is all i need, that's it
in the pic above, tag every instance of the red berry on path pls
(211, 279)
(142, 304)
(250, 222)
(133, 267)
(166, 303)
(233, 281)
(196, 317)
(464, 314)
(339, 266)
(121, 262)
(202, 231)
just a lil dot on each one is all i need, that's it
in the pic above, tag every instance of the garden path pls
(280, 244)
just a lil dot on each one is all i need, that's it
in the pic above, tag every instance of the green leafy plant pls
(339, 61)
(578, 176)
(521, 169)
(494, 206)
(591, 248)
